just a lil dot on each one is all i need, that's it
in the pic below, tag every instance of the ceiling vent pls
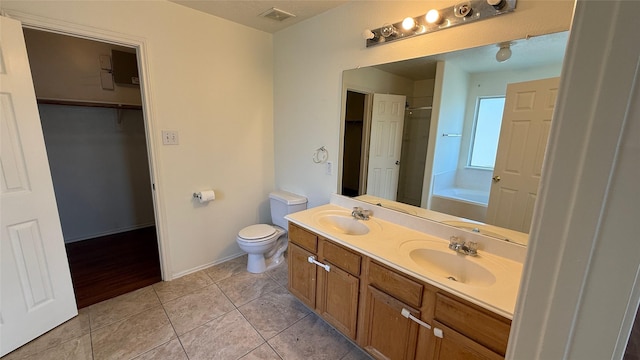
(277, 14)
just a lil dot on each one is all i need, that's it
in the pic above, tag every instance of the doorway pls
(355, 152)
(94, 130)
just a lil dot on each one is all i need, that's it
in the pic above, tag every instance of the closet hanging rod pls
(88, 104)
(419, 108)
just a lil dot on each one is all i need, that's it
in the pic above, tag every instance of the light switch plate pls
(170, 137)
(106, 80)
(105, 62)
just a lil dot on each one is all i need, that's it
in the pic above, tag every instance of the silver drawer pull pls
(408, 315)
(312, 259)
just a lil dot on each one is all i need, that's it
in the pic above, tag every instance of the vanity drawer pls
(341, 257)
(396, 285)
(302, 237)
(475, 324)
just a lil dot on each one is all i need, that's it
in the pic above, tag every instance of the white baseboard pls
(205, 266)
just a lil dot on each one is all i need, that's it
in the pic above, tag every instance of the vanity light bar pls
(459, 14)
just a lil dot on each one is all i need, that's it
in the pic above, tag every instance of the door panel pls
(302, 275)
(37, 294)
(387, 334)
(385, 146)
(339, 299)
(523, 140)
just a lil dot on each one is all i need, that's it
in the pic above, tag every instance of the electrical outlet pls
(170, 138)
(329, 168)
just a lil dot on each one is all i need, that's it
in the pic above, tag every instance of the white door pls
(385, 145)
(36, 290)
(523, 139)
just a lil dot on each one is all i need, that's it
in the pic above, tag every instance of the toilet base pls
(259, 263)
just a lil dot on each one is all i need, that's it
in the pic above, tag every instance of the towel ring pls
(320, 155)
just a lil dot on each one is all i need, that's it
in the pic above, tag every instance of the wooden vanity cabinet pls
(339, 288)
(332, 293)
(453, 345)
(364, 299)
(386, 334)
(302, 273)
(468, 332)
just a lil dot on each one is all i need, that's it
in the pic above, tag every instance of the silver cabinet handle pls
(408, 315)
(312, 259)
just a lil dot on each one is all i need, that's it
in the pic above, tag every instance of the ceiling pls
(248, 12)
(526, 53)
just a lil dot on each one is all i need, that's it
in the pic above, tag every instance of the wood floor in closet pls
(108, 266)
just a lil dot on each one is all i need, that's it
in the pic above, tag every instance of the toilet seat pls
(258, 232)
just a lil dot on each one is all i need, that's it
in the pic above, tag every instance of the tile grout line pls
(128, 316)
(174, 331)
(93, 356)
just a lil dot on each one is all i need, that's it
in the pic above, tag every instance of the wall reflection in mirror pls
(457, 138)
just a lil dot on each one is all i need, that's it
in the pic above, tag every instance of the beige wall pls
(310, 57)
(217, 92)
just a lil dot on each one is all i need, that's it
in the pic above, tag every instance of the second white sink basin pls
(453, 267)
(437, 259)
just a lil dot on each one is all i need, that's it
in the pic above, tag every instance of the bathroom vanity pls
(398, 292)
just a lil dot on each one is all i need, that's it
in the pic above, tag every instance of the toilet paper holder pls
(204, 196)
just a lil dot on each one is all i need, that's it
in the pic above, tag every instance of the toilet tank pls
(283, 203)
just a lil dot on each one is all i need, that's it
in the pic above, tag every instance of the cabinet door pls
(338, 299)
(388, 334)
(453, 345)
(302, 275)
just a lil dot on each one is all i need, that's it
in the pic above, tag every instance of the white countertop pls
(390, 244)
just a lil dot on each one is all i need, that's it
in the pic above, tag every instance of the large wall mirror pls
(456, 137)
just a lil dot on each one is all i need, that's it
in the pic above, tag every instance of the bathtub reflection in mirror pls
(450, 136)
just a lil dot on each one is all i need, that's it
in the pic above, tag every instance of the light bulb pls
(497, 4)
(504, 53)
(409, 23)
(368, 34)
(433, 17)
(388, 30)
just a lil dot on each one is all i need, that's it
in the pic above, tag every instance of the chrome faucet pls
(460, 246)
(359, 213)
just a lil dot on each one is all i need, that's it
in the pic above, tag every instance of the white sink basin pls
(343, 223)
(453, 267)
(437, 259)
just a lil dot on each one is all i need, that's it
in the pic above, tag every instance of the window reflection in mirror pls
(486, 131)
(445, 168)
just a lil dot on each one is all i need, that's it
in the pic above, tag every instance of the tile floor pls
(222, 312)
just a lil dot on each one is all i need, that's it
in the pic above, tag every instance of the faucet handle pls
(454, 240)
(472, 248)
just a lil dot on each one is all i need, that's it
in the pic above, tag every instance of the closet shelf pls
(89, 104)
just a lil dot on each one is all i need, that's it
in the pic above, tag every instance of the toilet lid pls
(258, 231)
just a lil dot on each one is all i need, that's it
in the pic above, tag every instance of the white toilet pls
(265, 243)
